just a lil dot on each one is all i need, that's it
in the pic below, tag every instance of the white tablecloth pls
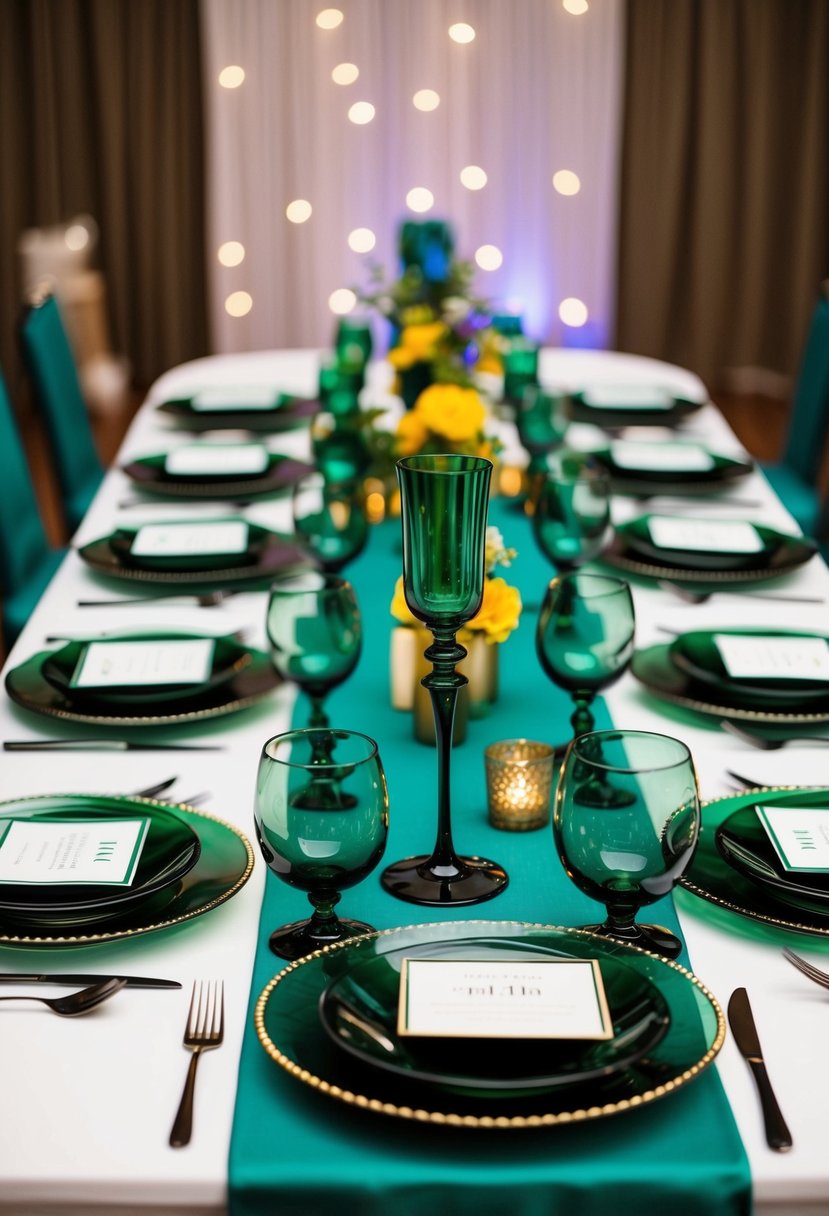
(87, 1104)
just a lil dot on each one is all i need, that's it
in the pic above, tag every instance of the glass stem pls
(319, 718)
(582, 719)
(324, 921)
(442, 683)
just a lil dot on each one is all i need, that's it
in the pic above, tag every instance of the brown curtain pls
(100, 112)
(724, 207)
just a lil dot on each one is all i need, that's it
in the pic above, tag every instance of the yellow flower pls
(417, 343)
(499, 612)
(449, 410)
(399, 607)
(411, 434)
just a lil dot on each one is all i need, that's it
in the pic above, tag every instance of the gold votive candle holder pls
(519, 778)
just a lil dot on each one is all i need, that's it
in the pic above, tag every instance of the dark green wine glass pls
(520, 368)
(321, 826)
(571, 510)
(634, 852)
(541, 421)
(443, 501)
(584, 637)
(340, 451)
(353, 342)
(315, 634)
(330, 520)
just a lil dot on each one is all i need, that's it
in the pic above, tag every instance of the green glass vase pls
(444, 501)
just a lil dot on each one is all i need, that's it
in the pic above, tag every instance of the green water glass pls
(330, 520)
(584, 637)
(321, 825)
(520, 368)
(340, 451)
(571, 510)
(353, 342)
(633, 852)
(315, 635)
(541, 421)
(444, 501)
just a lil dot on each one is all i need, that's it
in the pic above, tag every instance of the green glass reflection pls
(628, 849)
(340, 451)
(322, 815)
(330, 520)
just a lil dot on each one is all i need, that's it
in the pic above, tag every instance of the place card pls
(800, 836)
(191, 540)
(144, 663)
(542, 998)
(72, 851)
(666, 457)
(704, 535)
(241, 397)
(775, 658)
(215, 458)
(627, 397)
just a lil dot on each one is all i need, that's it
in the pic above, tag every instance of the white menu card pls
(769, 657)
(144, 663)
(542, 998)
(216, 458)
(72, 851)
(705, 535)
(236, 397)
(667, 457)
(800, 836)
(627, 397)
(190, 540)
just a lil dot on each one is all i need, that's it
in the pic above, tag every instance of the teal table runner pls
(296, 1151)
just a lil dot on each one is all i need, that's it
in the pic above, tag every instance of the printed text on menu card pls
(546, 998)
(190, 540)
(769, 657)
(703, 535)
(150, 663)
(800, 836)
(69, 851)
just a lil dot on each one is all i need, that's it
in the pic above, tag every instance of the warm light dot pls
(345, 73)
(231, 253)
(473, 177)
(342, 301)
(489, 257)
(362, 240)
(329, 18)
(576, 7)
(573, 311)
(566, 182)
(461, 32)
(361, 112)
(76, 237)
(238, 303)
(231, 76)
(420, 199)
(299, 211)
(426, 99)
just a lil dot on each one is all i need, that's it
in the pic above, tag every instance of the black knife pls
(741, 1021)
(131, 981)
(103, 745)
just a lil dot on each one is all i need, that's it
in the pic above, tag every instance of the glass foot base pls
(471, 880)
(655, 938)
(296, 940)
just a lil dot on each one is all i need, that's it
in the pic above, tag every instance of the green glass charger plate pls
(724, 471)
(268, 554)
(696, 654)
(611, 417)
(359, 1012)
(299, 1044)
(223, 866)
(654, 669)
(280, 474)
(712, 878)
(288, 411)
(240, 677)
(745, 845)
(632, 549)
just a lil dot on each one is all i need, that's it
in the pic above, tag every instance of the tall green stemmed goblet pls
(571, 510)
(321, 826)
(542, 424)
(330, 520)
(584, 637)
(631, 853)
(315, 634)
(443, 502)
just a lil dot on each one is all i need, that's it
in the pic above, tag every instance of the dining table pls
(88, 1102)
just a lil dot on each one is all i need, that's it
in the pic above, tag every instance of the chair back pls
(26, 558)
(51, 365)
(809, 420)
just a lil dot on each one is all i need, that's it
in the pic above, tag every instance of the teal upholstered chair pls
(51, 364)
(26, 560)
(794, 477)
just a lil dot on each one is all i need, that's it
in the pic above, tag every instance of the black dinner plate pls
(268, 554)
(358, 1010)
(696, 653)
(280, 474)
(724, 471)
(289, 411)
(744, 843)
(171, 848)
(632, 413)
(633, 549)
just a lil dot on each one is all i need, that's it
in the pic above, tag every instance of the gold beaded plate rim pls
(486, 1122)
(777, 922)
(86, 939)
(683, 574)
